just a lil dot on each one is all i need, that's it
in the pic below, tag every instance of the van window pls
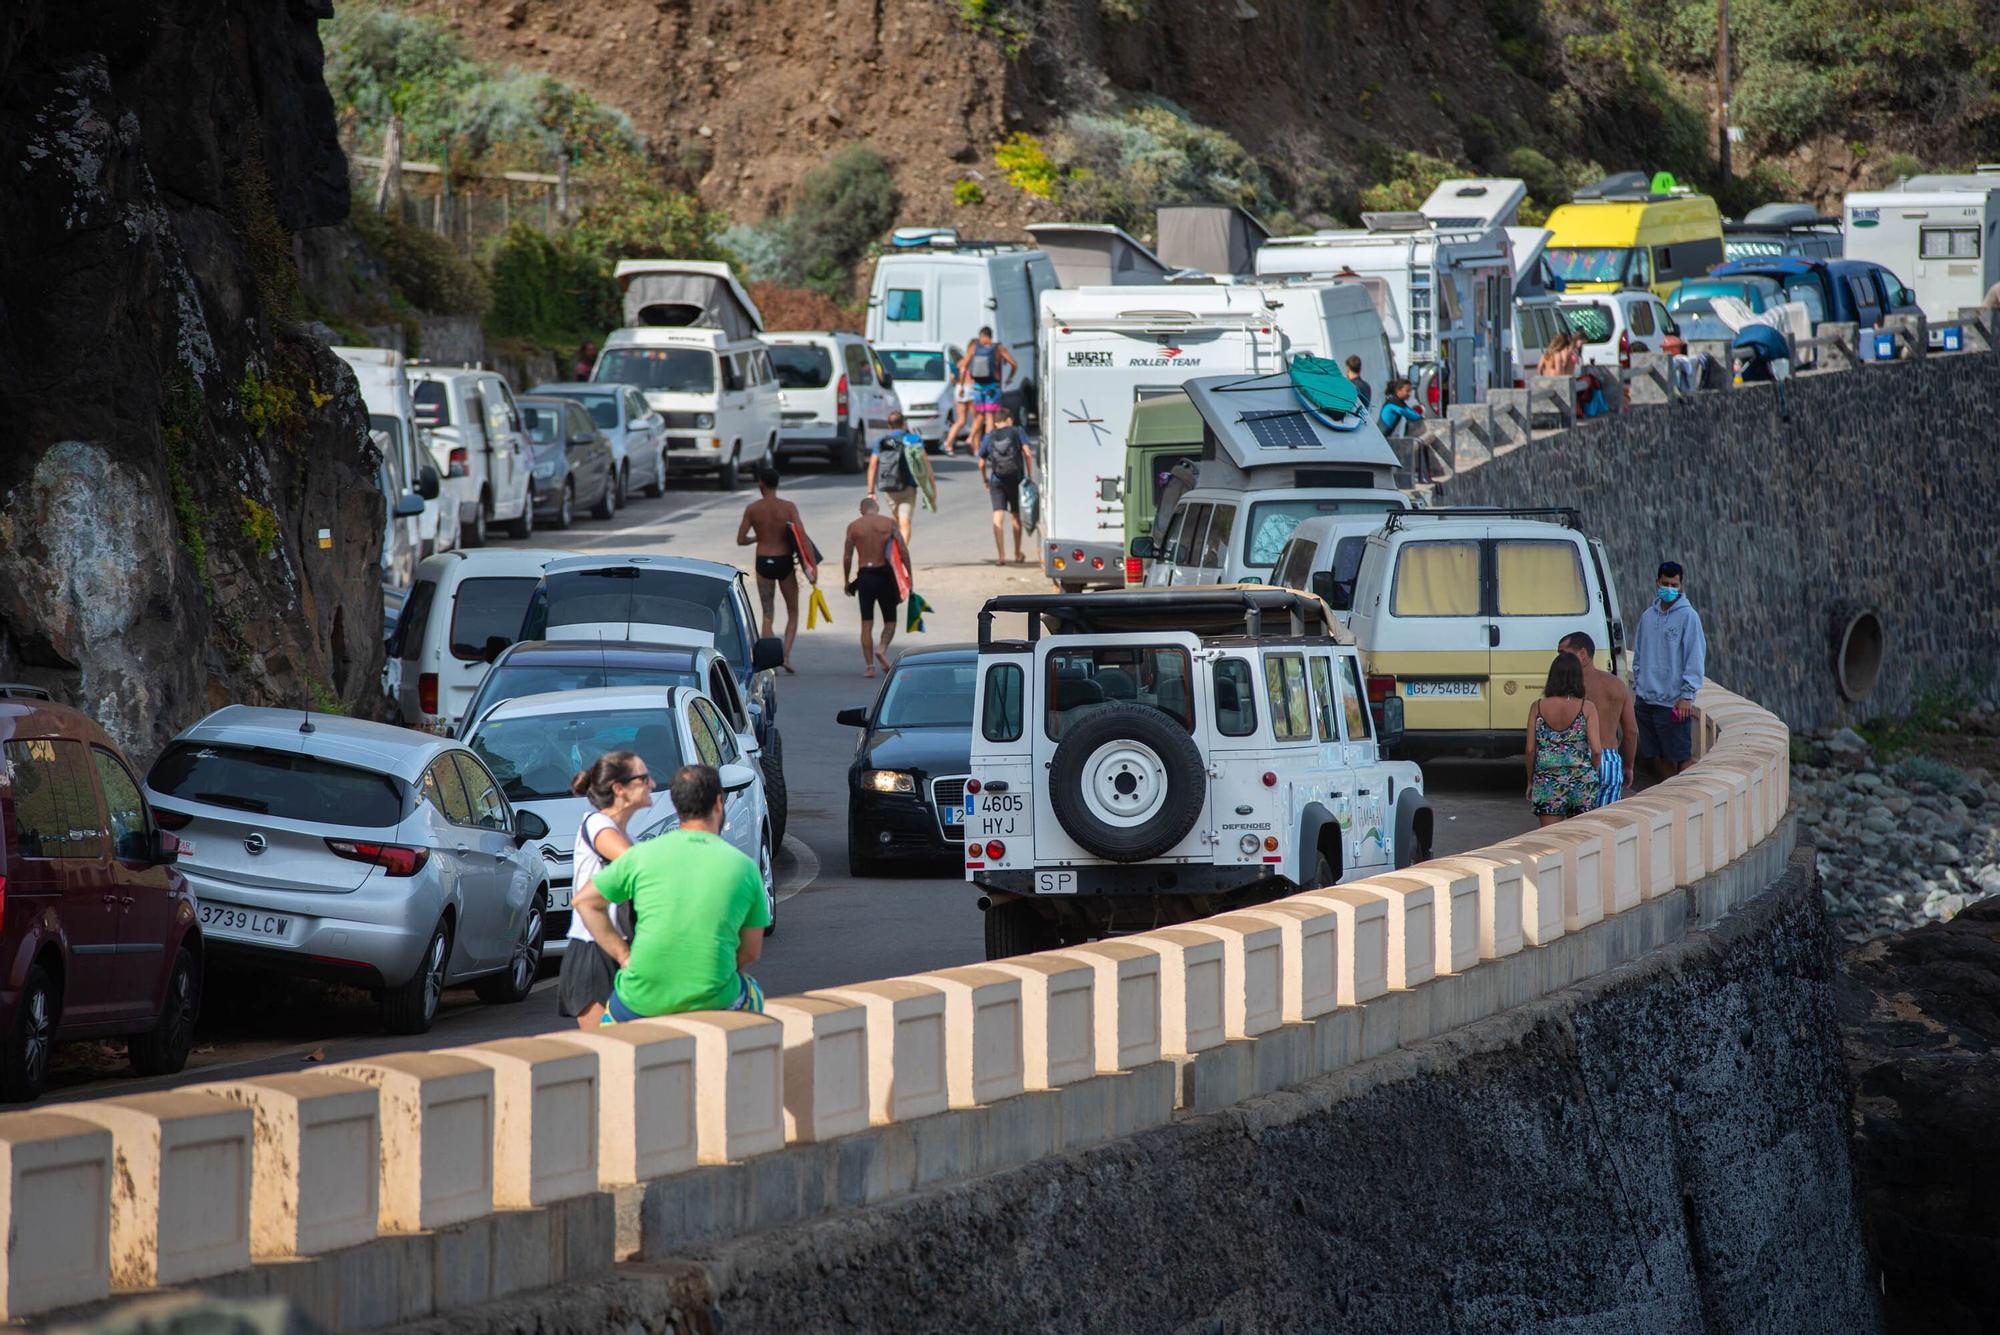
(732, 371)
(1215, 543)
(1152, 675)
(1294, 568)
(663, 370)
(1235, 698)
(1000, 712)
(1805, 289)
(484, 608)
(1863, 293)
(1592, 319)
(278, 783)
(1353, 704)
(1948, 243)
(1588, 264)
(1184, 537)
(1664, 258)
(1539, 579)
(55, 805)
(126, 809)
(858, 369)
(432, 404)
(905, 303)
(1323, 697)
(801, 365)
(1640, 317)
(1272, 522)
(407, 640)
(1642, 269)
(1285, 687)
(1436, 579)
(1347, 554)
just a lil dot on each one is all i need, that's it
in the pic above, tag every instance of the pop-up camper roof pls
(1259, 421)
(1530, 274)
(1209, 238)
(687, 293)
(1474, 203)
(1097, 255)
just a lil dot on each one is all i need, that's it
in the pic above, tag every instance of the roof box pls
(1475, 202)
(1260, 421)
(1401, 221)
(1621, 186)
(1784, 215)
(1097, 255)
(1210, 238)
(686, 294)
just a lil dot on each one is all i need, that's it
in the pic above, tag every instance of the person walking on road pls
(618, 786)
(1005, 460)
(701, 913)
(1563, 746)
(889, 474)
(585, 363)
(769, 522)
(1669, 660)
(1612, 699)
(869, 539)
(961, 406)
(983, 362)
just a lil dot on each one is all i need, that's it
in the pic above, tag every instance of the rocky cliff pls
(188, 507)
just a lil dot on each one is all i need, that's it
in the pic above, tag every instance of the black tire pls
(1323, 875)
(1413, 830)
(1183, 776)
(524, 528)
(412, 1006)
(565, 508)
(24, 1053)
(771, 860)
(163, 1049)
(624, 482)
(777, 799)
(474, 534)
(607, 504)
(850, 455)
(658, 486)
(726, 476)
(1016, 927)
(515, 982)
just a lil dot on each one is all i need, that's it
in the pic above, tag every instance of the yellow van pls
(1627, 231)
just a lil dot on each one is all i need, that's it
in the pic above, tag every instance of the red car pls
(97, 930)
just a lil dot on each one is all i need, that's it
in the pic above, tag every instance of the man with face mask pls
(1669, 659)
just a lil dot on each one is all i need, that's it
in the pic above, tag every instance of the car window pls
(856, 358)
(1592, 319)
(544, 422)
(927, 695)
(534, 756)
(1295, 564)
(904, 303)
(1587, 264)
(1665, 321)
(1083, 678)
(1285, 688)
(707, 749)
(1000, 713)
(915, 363)
(484, 608)
(511, 681)
(1353, 704)
(732, 371)
(1190, 524)
(1640, 317)
(664, 370)
(407, 640)
(1858, 288)
(882, 372)
(1642, 269)
(1347, 554)
(125, 809)
(725, 736)
(1215, 541)
(801, 365)
(55, 806)
(1436, 579)
(500, 413)
(635, 407)
(601, 409)
(1806, 291)
(683, 598)
(444, 787)
(1235, 698)
(489, 811)
(1322, 683)
(1539, 579)
(277, 783)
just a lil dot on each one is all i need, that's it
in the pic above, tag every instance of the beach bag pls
(1031, 505)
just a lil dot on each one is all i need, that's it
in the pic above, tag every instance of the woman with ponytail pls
(619, 786)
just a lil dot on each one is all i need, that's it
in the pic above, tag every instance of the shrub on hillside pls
(550, 288)
(1405, 180)
(840, 210)
(800, 308)
(423, 267)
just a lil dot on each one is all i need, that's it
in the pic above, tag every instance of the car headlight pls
(888, 781)
(704, 421)
(546, 469)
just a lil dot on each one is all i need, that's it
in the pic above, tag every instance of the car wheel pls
(412, 1007)
(777, 800)
(767, 865)
(514, 984)
(565, 508)
(163, 1050)
(474, 533)
(524, 528)
(658, 486)
(853, 455)
(1015, 927)
(607, 504)
(1127, 782)
(725, 476)
(624, 483)
(24, 1056)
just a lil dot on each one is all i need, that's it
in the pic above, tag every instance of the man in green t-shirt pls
(700, 908)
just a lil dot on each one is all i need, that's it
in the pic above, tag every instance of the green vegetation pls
(1027, 165)
(1406, 181)
(1934, 708)
(550, 288)
(840, 209)
(425, 270)
(323, 697)
(180, 429)
(266, 243)
(260, 525)
(1119, 167)
(966, 191)
(998, 19)
(269, 406)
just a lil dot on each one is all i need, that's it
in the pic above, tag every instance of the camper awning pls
(1210, 238)
(1097, 255)
(687, 294)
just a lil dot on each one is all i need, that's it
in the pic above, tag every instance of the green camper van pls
(1166, 431)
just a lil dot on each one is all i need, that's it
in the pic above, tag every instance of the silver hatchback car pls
(358, 852)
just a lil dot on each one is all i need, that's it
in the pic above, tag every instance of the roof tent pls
(1261, 421)
(687, 293)
(1097, 255)
(1475, 203)
(1210, 238)
(1530, 274)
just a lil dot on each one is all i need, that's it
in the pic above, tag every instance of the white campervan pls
(385, 393)
(931, 287)
(1941, 231)
(1441, 279)
(690, 343)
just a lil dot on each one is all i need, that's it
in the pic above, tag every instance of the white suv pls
(475, 435)
(835, 393)
(1146, 757)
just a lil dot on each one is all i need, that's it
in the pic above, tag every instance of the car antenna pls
(307, 724)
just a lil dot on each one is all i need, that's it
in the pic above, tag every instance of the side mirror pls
(409, 503)
(166, 848)
(428, 483)
(529, 827)
(1324, 584)
(581, 439)
(735, 778)
(1142, 547)
(1388, 722)
(495, 646)
(854, 716)
(767, 655)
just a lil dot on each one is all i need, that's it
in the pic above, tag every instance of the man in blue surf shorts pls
(984, 360)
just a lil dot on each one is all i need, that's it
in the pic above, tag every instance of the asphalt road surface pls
(833, 929)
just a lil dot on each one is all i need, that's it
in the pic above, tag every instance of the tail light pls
(458, 458)
(972, 785)
(1431, 394)
(427, 692)
(1097, 563)
(1625, 348)
(396, 859)
(840, 397)
(171, 820)
(1380, 689)
(1135, 570)
(995, 851)
(1520, 384)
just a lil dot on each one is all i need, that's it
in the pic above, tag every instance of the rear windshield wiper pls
(231, 800)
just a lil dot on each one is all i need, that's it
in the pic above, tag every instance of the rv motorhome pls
(1941, 232)
(932, 287)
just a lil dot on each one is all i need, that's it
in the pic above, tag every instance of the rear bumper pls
(246, 958)
(1477, 743)
(1102, 564)
(1144, 881)
(909, 823)
(377, 931)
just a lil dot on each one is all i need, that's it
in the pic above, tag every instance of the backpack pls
(1003, 452)
(980, 367)
(891, 472)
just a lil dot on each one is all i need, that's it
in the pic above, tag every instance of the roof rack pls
(1566, 515)
(1203, 609)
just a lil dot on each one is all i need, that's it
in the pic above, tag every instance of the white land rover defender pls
(1152, 756)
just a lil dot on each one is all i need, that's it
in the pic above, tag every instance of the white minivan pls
(1323, 555)
(476, 437)
(464, 608)
(385, 392)
(836, 394)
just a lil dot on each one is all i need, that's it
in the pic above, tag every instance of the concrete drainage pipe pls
(1858, 640)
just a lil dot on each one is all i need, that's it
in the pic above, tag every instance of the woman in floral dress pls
(1563, 746)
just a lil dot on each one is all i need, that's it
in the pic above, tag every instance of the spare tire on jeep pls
(1127, 782)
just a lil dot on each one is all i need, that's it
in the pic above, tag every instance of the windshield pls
(801, 365)
(1591, 319)
(536, 756)
(603, 408)
(508, 682)
(914, 363)
(543, 422)
(1589, 264)
(663, 370)
(928, 695)
(646, 597)
(1272, 522)
(278, 783)
(487, 609)
(392, 427)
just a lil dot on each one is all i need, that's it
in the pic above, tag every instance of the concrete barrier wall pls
(397, 1187)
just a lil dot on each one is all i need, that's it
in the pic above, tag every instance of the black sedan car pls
(573, 465)
(906, 787)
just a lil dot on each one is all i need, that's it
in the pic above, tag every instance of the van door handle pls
(1492, 636)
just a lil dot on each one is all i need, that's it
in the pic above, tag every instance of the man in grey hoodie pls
(1669, 659)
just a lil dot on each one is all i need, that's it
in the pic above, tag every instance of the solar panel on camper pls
(1286, 429)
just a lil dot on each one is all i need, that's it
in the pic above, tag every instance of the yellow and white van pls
(1628, 231)
(1457, 612)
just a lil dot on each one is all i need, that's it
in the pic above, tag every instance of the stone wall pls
(1878, 492)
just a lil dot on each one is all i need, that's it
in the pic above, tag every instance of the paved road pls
(833, 929)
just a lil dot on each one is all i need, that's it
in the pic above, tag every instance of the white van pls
(476, 438)
(835, 392)
(1942, 231)
(464, 608)
(385, 393)
(690, 343)
(1458, 612)
(931, 287)
(1323, 555)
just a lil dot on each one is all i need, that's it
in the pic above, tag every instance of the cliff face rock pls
(175, 447)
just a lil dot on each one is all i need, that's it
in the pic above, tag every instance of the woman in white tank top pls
(619, 786)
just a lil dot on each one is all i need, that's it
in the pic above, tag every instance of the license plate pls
(1441, 690)
(248, 921)
(953, 817)
(559, 897)
(1055, 882)
(995, 815)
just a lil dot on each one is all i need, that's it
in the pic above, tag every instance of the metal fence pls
(467, 209)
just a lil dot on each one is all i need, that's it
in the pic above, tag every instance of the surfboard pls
(899, 566)
(807, 553)
(1325, 391)
(918, 464)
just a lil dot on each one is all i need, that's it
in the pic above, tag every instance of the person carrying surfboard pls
(878, 582)
(1005, 462)
(889, 474)
(774, 525)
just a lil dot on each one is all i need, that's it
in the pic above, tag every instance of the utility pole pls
(1722, 86)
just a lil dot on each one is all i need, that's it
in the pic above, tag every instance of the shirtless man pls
(1613, 701)
(767, 522)
(874, 583)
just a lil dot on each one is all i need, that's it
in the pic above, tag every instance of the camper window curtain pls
(1437, 579)
(1539, 579)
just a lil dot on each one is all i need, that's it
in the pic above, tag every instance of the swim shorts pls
(775, 567)
(875, 586)
(986, 395)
